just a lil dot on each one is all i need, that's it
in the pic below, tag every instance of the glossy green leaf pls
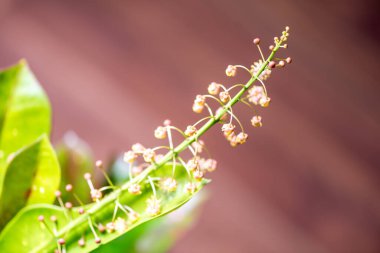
(169, 202)
(75, 159)
(24, 232)
(158, 235)
(31, 177)
(24, 111)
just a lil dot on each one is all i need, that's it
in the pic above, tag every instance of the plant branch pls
(115, 195)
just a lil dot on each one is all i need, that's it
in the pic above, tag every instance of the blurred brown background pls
(306, 182)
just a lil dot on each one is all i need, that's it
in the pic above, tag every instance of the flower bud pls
(138, 148)
(209, 165)
(265, 101)
(233, 141)
(190, 130)
(154, 207)
(224, 96)
(110, 226)
(192, 164)
(120, 225)
(198, 146)
(241, 138)
(198, 174)
(149, 155)
(213, 88)
(134, 189)
(167, 122)
(81, 242)
(197, 108)
(96, 194)
(68, 205)
(99, 164)
(101, 228)
(228, 128)
(190, 187)
(256, 121)
(199, 103)
(231, 70)
(133, 216)
(160, 132)
(169, 184)
(69, 187)
(129, 156)
(61, 241)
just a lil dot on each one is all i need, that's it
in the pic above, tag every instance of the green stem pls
(113, 196)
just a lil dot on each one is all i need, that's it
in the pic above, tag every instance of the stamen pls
(152, 185)
(185, 166)
(261, 53)
(178, 130)
(245, 68)
(81, 242)
(215, 98)
(58, 195)
(236, 85)
(201, 120)
(87, 177)
(264, 87)
(41, 219)
(209, 110)
(170, 139)
(97, 239)
(99, 165)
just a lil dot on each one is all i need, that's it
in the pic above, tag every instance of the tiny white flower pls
(160, 132)
(231, 70)
(255, 68)
(213, 88)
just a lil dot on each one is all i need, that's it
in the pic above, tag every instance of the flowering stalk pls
(260, 71)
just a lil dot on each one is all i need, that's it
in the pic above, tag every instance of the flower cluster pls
(259, 71)
(143, 161)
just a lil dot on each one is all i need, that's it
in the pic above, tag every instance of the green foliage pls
(31, 177)
(24, 232)
(28, 170)
(35, 242)
(24, 111)
(30, 173)
(158, 235)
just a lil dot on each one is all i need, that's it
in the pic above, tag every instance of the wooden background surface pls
(306, 182)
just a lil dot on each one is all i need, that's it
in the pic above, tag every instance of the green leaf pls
(24, 111)
(159, 235)
(75, 159)
(24, 232)
(169, 202)
(31, 177)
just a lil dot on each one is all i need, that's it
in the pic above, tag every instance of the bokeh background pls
(308, 181)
